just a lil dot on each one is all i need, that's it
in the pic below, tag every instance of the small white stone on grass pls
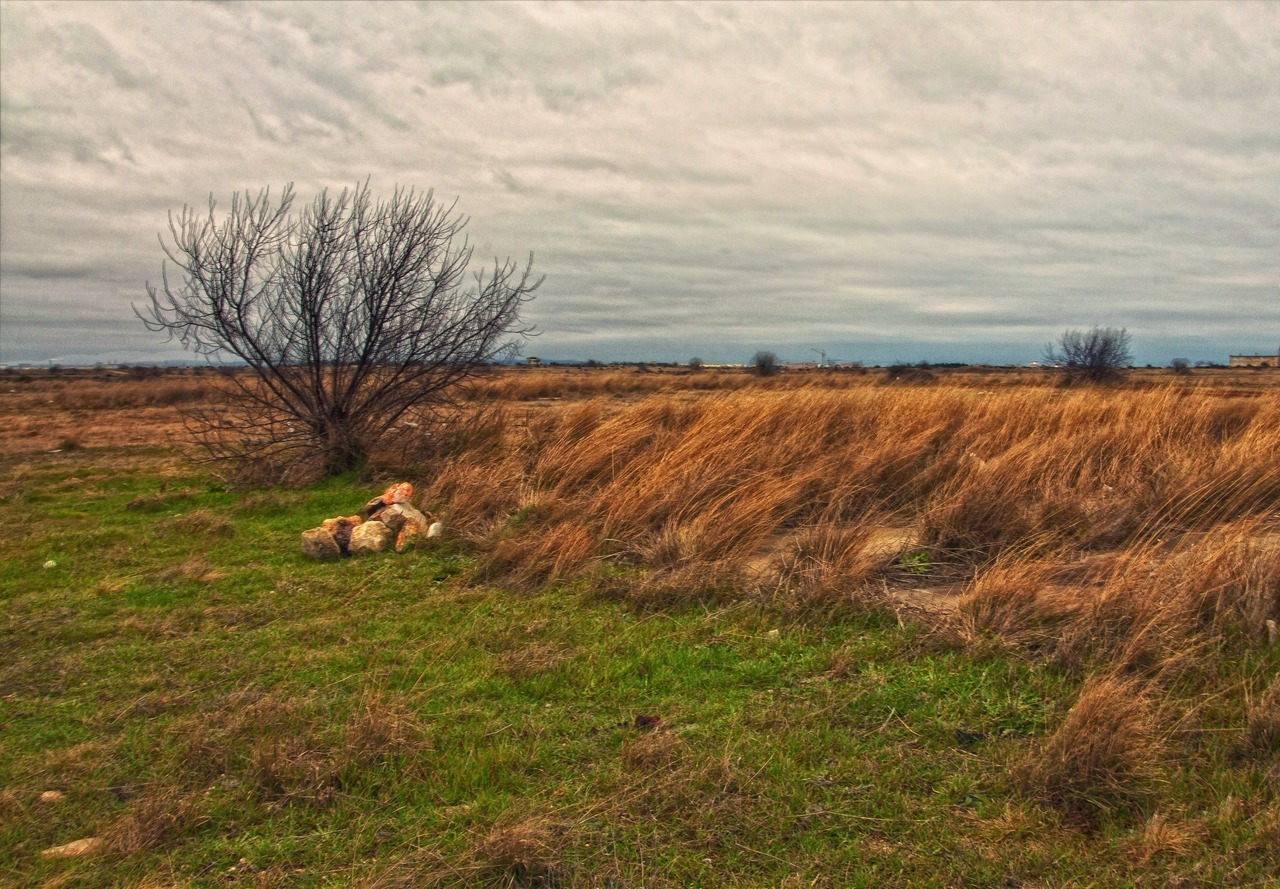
(76, 848)
(50, 564)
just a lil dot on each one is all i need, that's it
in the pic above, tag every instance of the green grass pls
(226, 712)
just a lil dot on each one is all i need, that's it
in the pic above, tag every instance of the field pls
(929, 628)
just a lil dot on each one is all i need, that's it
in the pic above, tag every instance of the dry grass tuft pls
(533, 660)
(203, 523)
(520, 850)
(824, 567)
(288, 750)
(790, 472)
(650, 751)
(290, 769)
(1104, 756)
(195, 568)
(1015, 602)
(1162, 836)
(381, 729)
(153, 821)
(1163, 612)
(1262, 732)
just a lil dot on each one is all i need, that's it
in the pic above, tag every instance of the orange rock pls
(410, 533)
(400, 492)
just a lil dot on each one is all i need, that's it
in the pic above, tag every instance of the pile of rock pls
(386, 521)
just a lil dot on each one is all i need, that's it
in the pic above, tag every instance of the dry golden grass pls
(1262, 732)
(1105, 754)
(715, 485)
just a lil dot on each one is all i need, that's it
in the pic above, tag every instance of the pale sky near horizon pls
(880, 181)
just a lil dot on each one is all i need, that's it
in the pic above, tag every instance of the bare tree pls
(1096, 355)
(353, 315)
(765, 364)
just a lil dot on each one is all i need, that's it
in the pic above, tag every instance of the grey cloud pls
(865, 174)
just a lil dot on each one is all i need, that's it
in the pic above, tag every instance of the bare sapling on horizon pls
(353, 317)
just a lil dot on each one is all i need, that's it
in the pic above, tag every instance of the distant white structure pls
(1254, 360)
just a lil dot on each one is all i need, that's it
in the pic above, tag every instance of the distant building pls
(533, 362)
(1254, 360)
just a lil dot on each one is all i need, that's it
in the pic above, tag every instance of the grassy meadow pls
(685, 629)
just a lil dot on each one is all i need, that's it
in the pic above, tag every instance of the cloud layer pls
(880, 181)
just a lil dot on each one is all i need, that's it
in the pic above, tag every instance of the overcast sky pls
(882, 182)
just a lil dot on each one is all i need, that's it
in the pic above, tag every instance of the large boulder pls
(370, 537)
(318, 543)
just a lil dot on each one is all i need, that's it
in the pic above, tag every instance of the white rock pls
(76, 848)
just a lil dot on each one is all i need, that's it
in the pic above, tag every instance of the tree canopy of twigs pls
(766, 364)
(1096, 355)
(354, 315)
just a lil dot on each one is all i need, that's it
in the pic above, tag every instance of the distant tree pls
(352, 315)
(1180, 366)
(1096, 355)
(695, 364)
(765, 364)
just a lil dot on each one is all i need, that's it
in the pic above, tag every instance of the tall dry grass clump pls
(774, 487)
(1165, 612)
(1105, 755)
(1019, 602)
(1262, 728)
